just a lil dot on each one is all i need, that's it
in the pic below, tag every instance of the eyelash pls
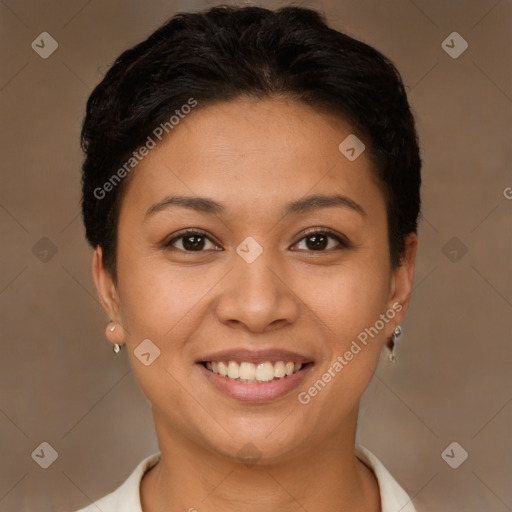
(342, 241)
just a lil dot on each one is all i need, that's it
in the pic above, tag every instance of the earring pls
(394, 338)
(117, 347)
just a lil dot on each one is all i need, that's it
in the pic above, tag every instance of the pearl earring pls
(117, 347)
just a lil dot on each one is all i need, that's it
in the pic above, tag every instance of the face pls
(280, 276)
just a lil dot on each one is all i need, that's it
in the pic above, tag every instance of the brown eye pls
(191, 241)
(319, 241)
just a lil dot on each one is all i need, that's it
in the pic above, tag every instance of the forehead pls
(246, 150)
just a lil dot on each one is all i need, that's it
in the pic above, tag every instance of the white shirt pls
(126, 498)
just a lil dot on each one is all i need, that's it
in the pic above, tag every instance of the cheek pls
(351, 305)
(164, 305)
(349, 297)
(161, 301)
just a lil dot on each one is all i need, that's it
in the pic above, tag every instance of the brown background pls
(61, 383)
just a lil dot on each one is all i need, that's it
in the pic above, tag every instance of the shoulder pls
(127, 496)
(392, 496)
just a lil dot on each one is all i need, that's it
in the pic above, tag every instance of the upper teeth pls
(249, 372)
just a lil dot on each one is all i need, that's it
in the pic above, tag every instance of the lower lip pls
(256, 391)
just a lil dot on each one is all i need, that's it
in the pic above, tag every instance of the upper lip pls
(240, 355)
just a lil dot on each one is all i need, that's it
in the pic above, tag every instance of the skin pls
(253, 157)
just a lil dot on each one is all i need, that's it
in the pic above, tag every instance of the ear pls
(403, 277)
(105, 286)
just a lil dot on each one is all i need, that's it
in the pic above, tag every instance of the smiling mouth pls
(251, 373)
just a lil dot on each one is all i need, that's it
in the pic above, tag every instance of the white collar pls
(392, 497)
(126, 498)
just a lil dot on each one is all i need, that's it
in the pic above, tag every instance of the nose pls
(256, 296)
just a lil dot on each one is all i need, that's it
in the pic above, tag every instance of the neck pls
(324, 477)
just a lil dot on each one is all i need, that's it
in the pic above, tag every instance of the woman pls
(251, 191)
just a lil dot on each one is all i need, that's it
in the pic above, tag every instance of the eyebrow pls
(303, 205)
